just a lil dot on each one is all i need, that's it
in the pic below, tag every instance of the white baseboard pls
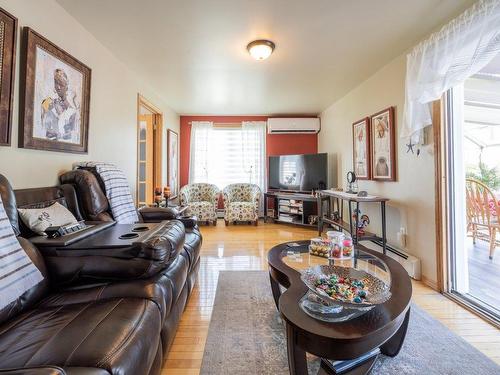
(410, 263)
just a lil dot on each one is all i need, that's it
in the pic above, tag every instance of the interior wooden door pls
(145, 160)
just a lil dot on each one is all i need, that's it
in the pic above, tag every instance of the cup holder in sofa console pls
(128, 236)
(140, 229)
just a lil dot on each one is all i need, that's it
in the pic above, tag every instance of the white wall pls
(412, 195)
(113, 105)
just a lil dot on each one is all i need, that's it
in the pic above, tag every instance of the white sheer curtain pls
(199, 151)
(450, 56)
(253, 134)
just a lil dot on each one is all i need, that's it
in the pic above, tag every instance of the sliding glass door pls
(473, 197)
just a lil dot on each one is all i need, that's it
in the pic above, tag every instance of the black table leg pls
(341, 209)
(350, 222)
(319, 202)
(392, 347)
(297, 362)
(356, 224)
(384, 237)
(329, 208)
(265, 207)
(275, 288)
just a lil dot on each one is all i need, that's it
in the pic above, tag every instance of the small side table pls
(351, 227)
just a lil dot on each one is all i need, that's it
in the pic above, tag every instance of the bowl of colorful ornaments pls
(346, 286)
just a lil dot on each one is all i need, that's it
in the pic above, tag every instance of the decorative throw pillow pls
(17, 272)
(39, 219)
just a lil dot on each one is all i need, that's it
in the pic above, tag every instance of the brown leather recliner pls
(107, 328)
(94, 205)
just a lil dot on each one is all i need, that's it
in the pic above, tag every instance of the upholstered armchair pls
(202, 201)
(241, 203)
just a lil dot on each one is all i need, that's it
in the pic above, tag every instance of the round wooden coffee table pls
(348, 347)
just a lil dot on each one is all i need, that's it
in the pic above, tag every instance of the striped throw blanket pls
(117, 190)
(17, 272)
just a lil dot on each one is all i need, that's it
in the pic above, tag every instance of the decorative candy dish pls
(341, 293)
(320, 247)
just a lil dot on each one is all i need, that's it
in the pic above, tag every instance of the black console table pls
(337, 198)
(304, 207)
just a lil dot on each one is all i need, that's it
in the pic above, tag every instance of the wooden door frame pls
(158, 141)
(440, 184)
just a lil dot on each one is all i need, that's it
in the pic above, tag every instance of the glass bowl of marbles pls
(343, 291)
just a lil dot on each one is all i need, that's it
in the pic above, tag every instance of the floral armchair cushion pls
(241, 202)
(202, 200)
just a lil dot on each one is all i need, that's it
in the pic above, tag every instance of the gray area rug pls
(246, 336)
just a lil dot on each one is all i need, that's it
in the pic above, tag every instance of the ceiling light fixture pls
(260, 49)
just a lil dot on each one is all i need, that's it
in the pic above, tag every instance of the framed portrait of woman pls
(383, 139)
(361, 149)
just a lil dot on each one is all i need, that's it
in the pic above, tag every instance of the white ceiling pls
(193, 54)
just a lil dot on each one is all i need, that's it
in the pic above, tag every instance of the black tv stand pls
(291, 208)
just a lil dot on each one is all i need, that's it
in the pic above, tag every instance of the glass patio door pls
(473, 169)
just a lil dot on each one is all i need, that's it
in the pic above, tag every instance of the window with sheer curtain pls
(223, 156)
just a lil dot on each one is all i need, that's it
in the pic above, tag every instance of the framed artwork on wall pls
(55, 97)
(383, 138)
(8, 40)
(173, 163)
(361, 149)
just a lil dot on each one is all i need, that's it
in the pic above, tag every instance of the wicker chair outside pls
(483, 212)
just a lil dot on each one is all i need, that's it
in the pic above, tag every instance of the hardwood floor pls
(244, 247)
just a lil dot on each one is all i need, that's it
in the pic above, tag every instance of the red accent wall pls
(276, 144)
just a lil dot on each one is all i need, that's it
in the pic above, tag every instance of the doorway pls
(472, 144)
(149, 151)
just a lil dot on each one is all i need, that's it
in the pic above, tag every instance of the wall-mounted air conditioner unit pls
(295, 125)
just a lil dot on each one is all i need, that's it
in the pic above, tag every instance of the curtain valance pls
(447, 58)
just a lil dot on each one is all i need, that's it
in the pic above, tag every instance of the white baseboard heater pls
(409, 262)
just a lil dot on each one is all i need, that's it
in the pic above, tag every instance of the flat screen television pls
(298, 173)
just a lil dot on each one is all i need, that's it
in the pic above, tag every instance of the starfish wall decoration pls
(410, 147)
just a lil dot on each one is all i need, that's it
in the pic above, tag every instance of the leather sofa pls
(94, 206)
(105, 327)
